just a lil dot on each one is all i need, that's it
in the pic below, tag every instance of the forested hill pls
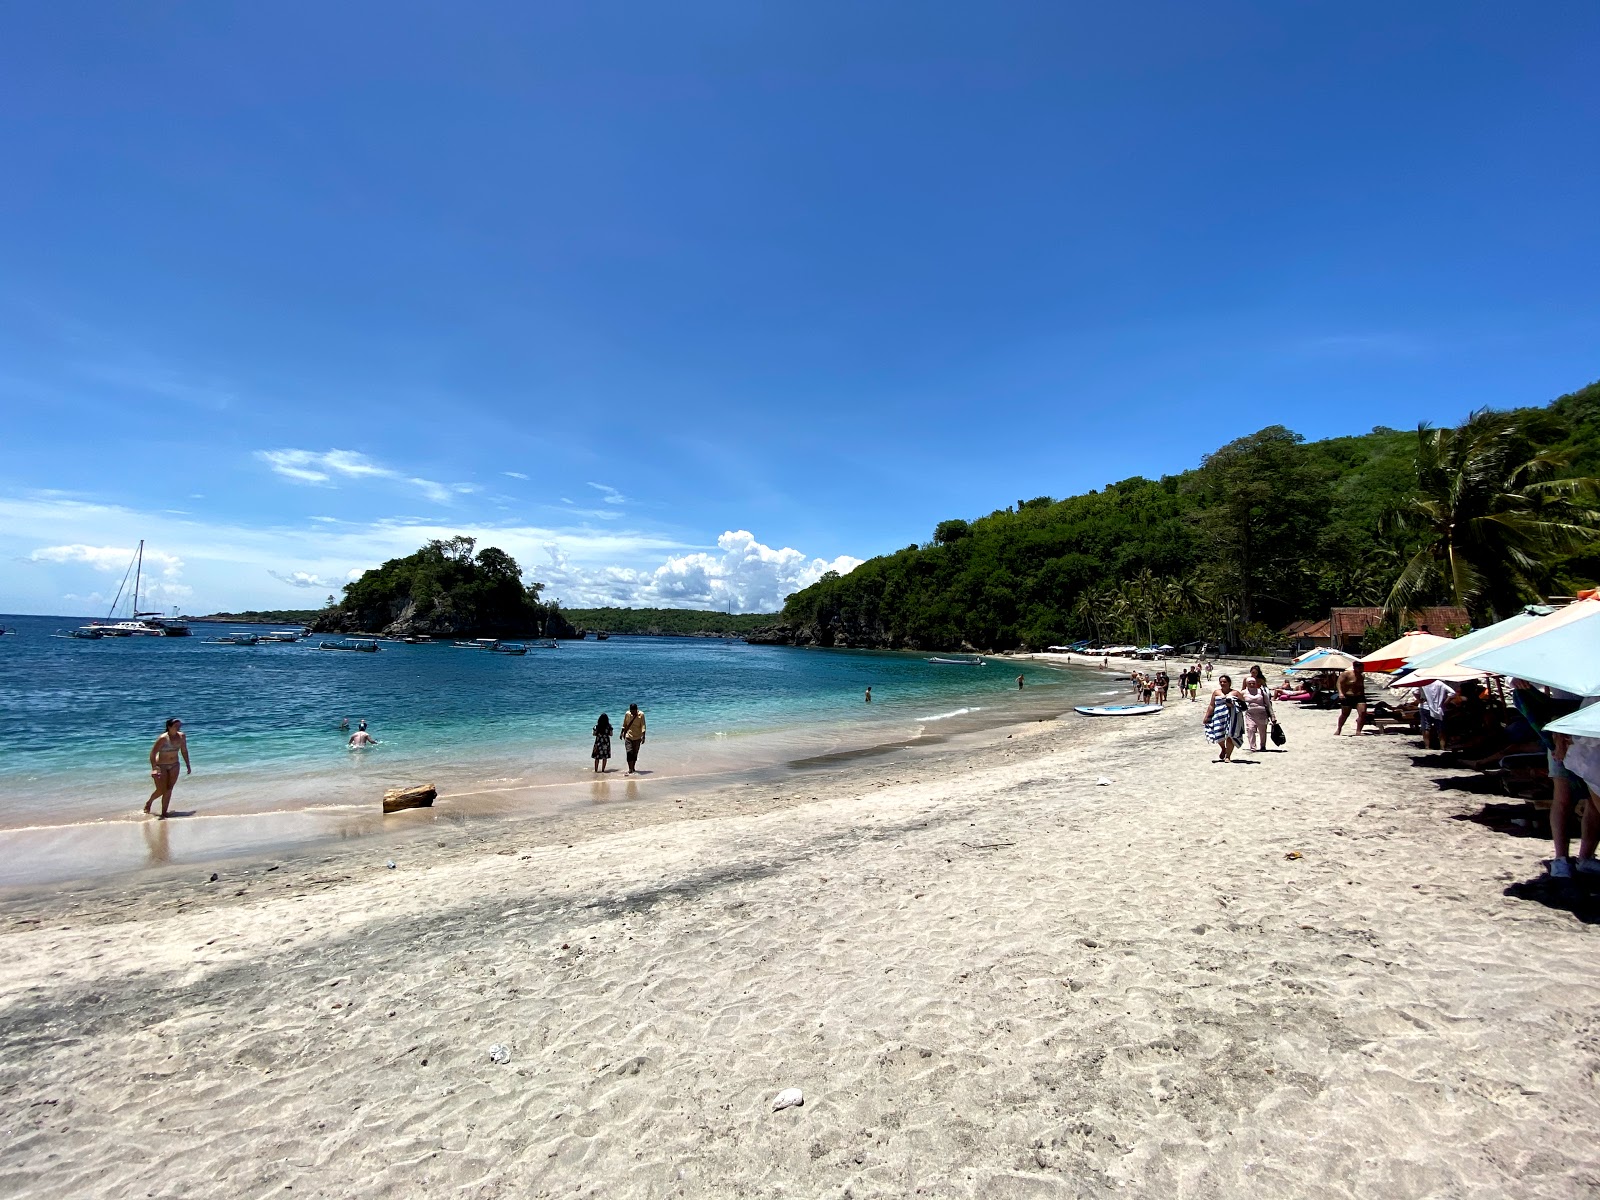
(668, 622)
(445, 589)
(1266, 529)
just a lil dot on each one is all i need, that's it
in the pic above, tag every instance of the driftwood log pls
(415, 797)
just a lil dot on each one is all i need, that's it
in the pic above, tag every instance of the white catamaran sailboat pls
(138, 624)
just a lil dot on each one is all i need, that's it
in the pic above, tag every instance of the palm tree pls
(1487, 517)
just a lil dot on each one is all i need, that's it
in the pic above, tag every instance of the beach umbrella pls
(1407, 645)
(1418, 670)
(1449, 663)
(1583, 723)
(1559, 651)
(1324, 660)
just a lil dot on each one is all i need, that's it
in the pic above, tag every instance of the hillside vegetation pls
(667, 622)
(1266, 529)
(265, 616)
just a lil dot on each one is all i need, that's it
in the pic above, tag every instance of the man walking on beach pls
(1352, 694)
(633, 735)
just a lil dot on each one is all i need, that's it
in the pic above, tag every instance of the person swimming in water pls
(164, 755)
(361, 738)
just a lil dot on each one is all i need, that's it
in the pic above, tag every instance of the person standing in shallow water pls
(1019, 683)
(164, 755)
(869, 693)
(633, 735)
(602, 743)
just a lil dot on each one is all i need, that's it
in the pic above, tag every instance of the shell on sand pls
(789, 1098)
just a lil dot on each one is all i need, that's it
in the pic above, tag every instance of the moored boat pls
(360, 646)
(957, 662)
(138, 624)
(234, 639)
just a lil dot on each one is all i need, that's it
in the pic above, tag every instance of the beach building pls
(1344, 628)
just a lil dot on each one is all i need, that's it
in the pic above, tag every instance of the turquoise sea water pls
(263, 721)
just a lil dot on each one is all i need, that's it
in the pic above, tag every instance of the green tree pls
(1261, 498)
(1489, 514)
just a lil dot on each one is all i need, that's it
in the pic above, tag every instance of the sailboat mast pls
(137, 573)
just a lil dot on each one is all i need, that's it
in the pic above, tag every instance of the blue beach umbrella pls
(1567, 656)
(1467, 642)
(1583, 723)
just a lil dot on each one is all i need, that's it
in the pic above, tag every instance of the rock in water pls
(416, 797)
(789, 1098)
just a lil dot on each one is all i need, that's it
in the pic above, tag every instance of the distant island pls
(265, 616)
(446, 589)
(668, 622)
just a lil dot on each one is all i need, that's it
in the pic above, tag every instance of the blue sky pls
(683, 305)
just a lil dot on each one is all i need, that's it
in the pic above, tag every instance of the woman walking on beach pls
(1257, 710)
(602, 743)
(1223, 718)
(164, 755)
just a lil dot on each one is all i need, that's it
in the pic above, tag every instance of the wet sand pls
(990, 976)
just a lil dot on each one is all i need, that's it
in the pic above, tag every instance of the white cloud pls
(514, 474)
(158, 583)
(109, 558)
(750, 576)
(300, 579)
(609, 494)
(325, 467)
(58, 543)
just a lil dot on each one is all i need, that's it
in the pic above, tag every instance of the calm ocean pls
(263, 721)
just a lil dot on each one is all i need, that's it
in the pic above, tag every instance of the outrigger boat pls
(957, 662)
(363, 647)
(283, 635)
(234, 639)
(507, 648)
(141, 624)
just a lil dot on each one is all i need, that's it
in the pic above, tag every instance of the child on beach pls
(602, 743)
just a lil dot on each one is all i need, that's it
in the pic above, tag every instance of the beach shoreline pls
(118, 850)
(1315, 974)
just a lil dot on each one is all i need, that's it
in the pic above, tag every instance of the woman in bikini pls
(164, 757)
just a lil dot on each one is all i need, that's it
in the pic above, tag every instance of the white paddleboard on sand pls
(1117, 710)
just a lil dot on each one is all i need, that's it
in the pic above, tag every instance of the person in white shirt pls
(1435, 695)
(1578, 756)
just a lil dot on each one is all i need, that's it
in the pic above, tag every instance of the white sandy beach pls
(990, 976)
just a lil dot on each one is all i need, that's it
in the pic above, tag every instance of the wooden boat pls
(234, 639)
(362, 647)
(397, 799)
(602, 636)
(1117, 710)
(507, 648)
(957, 662)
